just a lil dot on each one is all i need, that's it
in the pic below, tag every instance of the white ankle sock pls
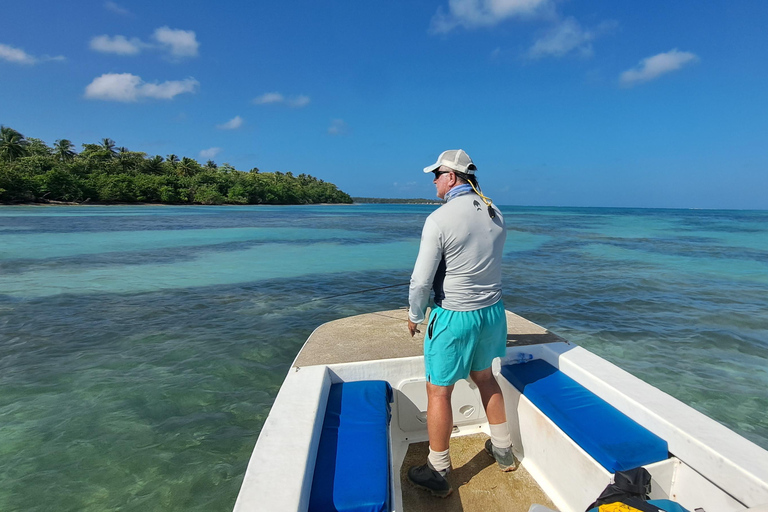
(440, 461)
(500, 436)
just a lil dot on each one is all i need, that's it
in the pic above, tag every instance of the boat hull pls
(710, 466)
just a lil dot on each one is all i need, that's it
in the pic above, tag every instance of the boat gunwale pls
(711, 450)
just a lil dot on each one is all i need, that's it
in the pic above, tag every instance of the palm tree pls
(63, 148)
(122, 157)
(172, 159)
(153, 165)
(187, 167)
(37, 147)
(108, 146)
(12, 144)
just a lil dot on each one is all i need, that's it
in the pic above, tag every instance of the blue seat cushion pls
(352, 469)
(613, 439)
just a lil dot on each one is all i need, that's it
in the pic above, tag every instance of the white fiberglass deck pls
(711, 467)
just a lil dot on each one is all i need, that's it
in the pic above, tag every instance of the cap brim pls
(433, 167)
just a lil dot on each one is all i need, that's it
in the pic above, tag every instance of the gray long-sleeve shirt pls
(460, 255)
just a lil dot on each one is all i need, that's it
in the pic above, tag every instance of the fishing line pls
(360, 291)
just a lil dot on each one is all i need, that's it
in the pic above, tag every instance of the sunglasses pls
(438, 173)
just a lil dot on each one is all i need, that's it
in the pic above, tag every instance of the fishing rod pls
(360, 291)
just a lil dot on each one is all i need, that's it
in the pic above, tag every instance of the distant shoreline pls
(98, 203)
(355, 200)
(377, 201)
(384, 200)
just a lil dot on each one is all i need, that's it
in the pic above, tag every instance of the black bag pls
(631, 487)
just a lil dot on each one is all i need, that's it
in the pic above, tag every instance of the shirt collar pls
(457, 191)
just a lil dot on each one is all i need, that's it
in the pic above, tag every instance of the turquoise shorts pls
(459, 342)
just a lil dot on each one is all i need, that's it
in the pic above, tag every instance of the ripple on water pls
(140, 379)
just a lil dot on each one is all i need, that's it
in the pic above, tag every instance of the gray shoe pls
(433, 481)
(505, 458)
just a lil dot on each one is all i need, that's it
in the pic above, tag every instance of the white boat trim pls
(712, 467)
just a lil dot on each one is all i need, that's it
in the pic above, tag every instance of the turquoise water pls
(141, 347)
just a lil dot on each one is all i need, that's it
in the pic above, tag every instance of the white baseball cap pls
(455, 159)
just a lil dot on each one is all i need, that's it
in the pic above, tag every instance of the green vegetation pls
(30, 171)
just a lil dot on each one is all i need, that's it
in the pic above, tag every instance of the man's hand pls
(412, 327)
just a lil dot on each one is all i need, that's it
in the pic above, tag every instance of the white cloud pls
(19, 56)
(651, 68)
(484, 13)
(298, 101)
(210, 153)
(267, 98)
(338, 127)
(178, 43)
(233, 124)
(168, 90)
(117, 9)
(120, 45)
(563, 38)
(273, 98)
(181, 43)
(126, 87)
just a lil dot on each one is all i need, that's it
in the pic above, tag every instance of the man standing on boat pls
(460, 258)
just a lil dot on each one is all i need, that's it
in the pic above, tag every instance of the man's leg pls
(490, 393)
(439, 365)
(439, 416)
(500, 444)
(431, 476)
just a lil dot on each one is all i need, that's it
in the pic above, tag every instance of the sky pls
(558, 102)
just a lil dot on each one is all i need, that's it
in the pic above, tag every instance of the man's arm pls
(430, 254)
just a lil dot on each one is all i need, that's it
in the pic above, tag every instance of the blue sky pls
(560, 103)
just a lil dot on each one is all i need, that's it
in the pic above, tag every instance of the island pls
(33, 172)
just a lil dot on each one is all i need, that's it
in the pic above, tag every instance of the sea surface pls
(142, 346)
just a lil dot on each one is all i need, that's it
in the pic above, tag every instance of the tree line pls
(31, 171)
